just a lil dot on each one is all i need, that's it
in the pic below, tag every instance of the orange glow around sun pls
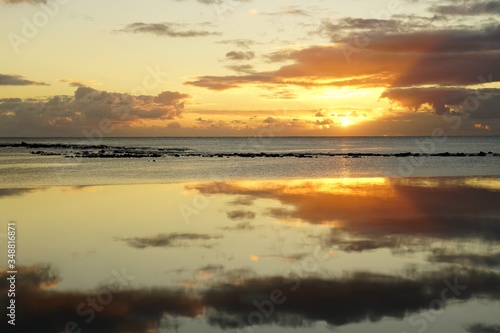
(345, 122)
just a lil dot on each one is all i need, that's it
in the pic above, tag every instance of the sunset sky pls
(249, 67)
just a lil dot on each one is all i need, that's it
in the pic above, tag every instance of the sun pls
(345, 122)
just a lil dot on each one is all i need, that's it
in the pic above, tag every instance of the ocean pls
(197, 235)
(187, 159)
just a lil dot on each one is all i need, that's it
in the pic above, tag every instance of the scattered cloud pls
(290, 10)
(86, 109)
(421, 51)
(221, 83)
(240, 55)
(281, 94)
(404, 59)
(242, 68)
(483, 127)
(167, 240)
(165, 29)
(174, 124)
(361, 245)
(348, 26)
(18, 80)
(243, 201)
(34, 277)
(240, 227)
(480, 103)
(12, 192)
(208, 272)
(78, 83)
(468, 8)
(241, 215)
(243, 43)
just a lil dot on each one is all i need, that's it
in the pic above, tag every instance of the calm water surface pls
(418, 254)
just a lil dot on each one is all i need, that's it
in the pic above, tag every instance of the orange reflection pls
(438, 207)
(329, 202)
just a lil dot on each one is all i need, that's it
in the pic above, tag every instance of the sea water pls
(20, 168)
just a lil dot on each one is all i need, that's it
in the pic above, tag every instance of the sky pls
(249, 67)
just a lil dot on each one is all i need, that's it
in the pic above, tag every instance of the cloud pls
(33, 277)
(490, 260)
(290, 10)
(165, 29)
(468, 8)
(326, 121)
(240, 227)
(167, 240)
(205, 2)
(483, 328)
(483, 127)
(208, 272)
(174, 124)
(241, 215)
(129, 310)
(349, 26)
(243, 201)
(361, 245)
(171, 98)
(403, 59)
(221, 83)
(243, 43)
(11, 192)
(242, 68)
(480, 103)
(228, 302)
(281, 94)
(378, 215)
(78, 83)
(240, 55)
(68, 115)
(18, 80)
(10, 100)
(355, 298)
